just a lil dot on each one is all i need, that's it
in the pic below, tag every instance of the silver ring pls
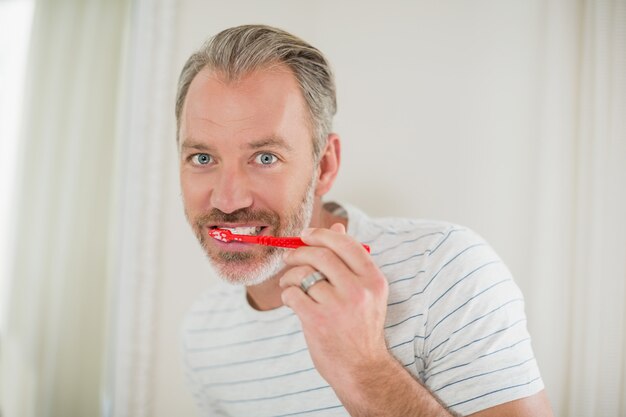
(310, 280)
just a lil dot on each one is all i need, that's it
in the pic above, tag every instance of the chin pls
(248, 272)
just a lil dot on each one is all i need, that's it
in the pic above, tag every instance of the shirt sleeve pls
(477, 349)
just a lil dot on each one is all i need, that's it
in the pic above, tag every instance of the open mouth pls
(241, 230)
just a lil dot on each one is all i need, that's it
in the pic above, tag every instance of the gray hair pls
(237, 51)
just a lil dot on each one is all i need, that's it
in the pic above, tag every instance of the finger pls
(294, 298)
(322, 291)
(347, 249)
(339, 228)
(323, 260)
(295, 275)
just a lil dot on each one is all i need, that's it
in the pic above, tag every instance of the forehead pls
(263, 103)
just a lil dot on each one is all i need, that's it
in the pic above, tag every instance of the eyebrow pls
(272, 142)
(194, 144)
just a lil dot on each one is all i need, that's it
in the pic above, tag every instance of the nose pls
(231, 191)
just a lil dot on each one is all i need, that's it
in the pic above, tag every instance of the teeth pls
(249, 231)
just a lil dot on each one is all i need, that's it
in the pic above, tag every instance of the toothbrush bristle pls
(222, 235)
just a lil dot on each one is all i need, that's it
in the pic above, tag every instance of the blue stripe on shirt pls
(248, 381)
(400, 322)
(462, 279)
(426, 252)
(408, 341)
(386, 232)
(465, 303)
(479, 339)
(407, 278)
(475, 320)
(517, 365)
(245, 342)
(267, 358)
(496, 391)
(405, 242)
(218, 311)
(435, 275)
(274, 397)
(235, 325)
(309, 411)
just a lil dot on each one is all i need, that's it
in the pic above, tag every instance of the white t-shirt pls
(455, 320)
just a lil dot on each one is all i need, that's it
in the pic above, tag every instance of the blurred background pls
(506, 116)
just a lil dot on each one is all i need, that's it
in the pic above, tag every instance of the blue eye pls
(201, 159)
(266, 158)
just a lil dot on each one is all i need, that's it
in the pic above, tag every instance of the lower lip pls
(232, 246)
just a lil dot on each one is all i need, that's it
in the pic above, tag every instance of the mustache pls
(243, 215)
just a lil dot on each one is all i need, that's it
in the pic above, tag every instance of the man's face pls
(246, 163)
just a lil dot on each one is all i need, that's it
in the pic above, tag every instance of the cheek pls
(193, 190)
(281, 191)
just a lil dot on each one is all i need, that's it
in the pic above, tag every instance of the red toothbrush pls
(281, 242)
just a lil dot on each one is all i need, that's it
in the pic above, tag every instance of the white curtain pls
(98, 119)
(598, 322)
(578, 258)
(53, 347)
(146, 133)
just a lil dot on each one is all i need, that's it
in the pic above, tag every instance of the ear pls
(328, 165)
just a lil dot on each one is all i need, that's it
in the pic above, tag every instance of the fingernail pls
(307, 232)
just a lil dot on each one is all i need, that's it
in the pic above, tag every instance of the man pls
(429, 324)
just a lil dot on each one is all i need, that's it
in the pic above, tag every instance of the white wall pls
(437, 115)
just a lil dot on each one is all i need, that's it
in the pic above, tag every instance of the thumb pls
(338, 227)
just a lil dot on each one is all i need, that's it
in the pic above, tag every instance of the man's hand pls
(342, 317)
(343, 322)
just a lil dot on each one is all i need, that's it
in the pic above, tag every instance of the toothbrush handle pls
(282, 242)
(288, 242)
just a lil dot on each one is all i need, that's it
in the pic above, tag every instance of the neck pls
(266, 295)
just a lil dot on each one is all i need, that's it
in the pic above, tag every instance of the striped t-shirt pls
(455, 320)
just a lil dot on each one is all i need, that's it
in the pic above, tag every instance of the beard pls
(253, 267)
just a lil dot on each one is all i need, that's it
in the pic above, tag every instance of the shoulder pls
(386, 234)
(435, 253)
(465, 308)
(400, 244)
(445, 270)
(435, 237)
